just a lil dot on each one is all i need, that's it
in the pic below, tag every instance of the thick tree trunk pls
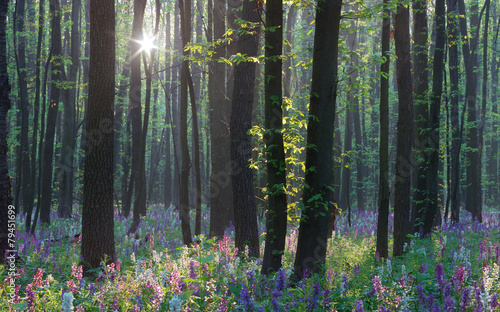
(313, 229)
(404, 157)
(97, 212)
(22, 69)
(241, 121)
(273, 138)
(383, 199)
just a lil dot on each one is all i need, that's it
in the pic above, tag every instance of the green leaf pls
(19, 306)
(207, 259)
(186, 295)
(235, 289)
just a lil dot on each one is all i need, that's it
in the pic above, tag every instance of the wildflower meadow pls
(455, 269)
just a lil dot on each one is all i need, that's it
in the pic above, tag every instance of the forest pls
(249, 155)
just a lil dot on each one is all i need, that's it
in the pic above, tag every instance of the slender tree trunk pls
(185, 15)
(422, 122)
(383, 199)
(135, 110)
(98, 242)
(273, 137)
(68, 142)
(469, 47)
(435, 112)
(454, 112)
(493, 155)
(36, 109)
(55, 92)
(168, 119)
(118, 125)
(402, 188)
(484, 82)
(313, 230)
(245, 213)
(5, 105)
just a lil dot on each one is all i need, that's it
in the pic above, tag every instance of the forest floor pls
(456, 269)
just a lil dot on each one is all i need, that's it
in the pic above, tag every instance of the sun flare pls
(147, 44)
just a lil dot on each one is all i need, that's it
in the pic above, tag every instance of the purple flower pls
(449, 303)
(313, 300)
(465, 298)
(245, 298)
(280, 280)
(439, 274)
(377, 288)
(494, 301)
(30, 298)
(359, 306)
(423, 268)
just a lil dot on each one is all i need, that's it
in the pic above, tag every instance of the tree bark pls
(276, 214)
(456, 135)
(55, 92)
(318, 195)
(383, 199)
(97, 212)
(5, 105)
(435, 112)
(185, 15)
(469, 47)
(245, 213)
(404, 158)
(135, 111)
(221, 198)
(423, 140)
(66, 166)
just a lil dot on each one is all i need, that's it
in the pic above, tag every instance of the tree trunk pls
(473, 200)
(273, 137)
(168, 119)
(317, 197)
(36, 109)
(422, 122)
(97, 213)
(383, 199)
(118, 125)
(135, 110)
(20, 56)
(5, 184)
(435, 112)
(404, 161)
(482, 122)
(456, 136)
(68, 142)
(221, 198)
(241, 121)
(493, 155)
(55, 92)
(185, 15)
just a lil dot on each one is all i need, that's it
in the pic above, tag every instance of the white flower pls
(175, 304)
(67, 302)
